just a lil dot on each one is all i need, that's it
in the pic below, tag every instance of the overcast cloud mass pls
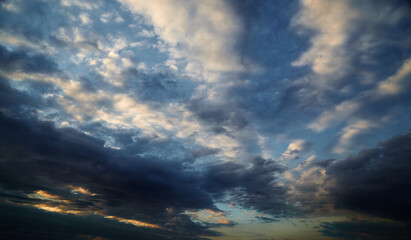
(172, 119)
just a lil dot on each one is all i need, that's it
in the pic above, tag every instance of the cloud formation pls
(56, 158)
(364, 230)
(203, 33)
(204, 119)
(375, 180)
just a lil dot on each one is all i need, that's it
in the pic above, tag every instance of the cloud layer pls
(204, 119)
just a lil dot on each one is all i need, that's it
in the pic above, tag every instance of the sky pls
(195, 120)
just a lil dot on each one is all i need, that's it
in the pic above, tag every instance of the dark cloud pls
(19, 222)
(27, 102)
(158, 87)
(203, 152)
(267, 219)
(10, 98)
(150, 190)
(37, 156)
(21, 60)
(323, 163)
(29, 223)
(363, 230)
(155, 180)
(377, 181)
(252, 186)
(133, 143)
(218, 116)
(269, 42)
(376, 47)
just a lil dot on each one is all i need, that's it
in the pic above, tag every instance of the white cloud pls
(105, 17)
(331, 21)
(12, 6)
(15, 40)
(200, 38)
(349, 133)
(85, 19)
(109, 63)
(81, 4)
(108, 16)
(141, 66)
(140, 44)
(147, 34)
(349, 111)
(169, 121)
(334, 24)
(202, 32)
(294, 150)
(308, 186)
(397, 83)
(346, 110)
(334, 116)
(119, 19)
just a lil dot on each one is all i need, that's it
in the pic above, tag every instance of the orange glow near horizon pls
(65, 207)
(133, 222)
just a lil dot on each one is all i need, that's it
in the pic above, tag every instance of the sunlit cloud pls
(210, 216)
(81, 190)
(399, 82)
(133, 222)
(191, 120)
(55, 203)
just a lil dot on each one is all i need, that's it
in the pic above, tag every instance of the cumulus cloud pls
(295, 149)
(85, 19)
(308, 187)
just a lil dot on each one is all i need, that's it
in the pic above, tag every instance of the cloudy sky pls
(169, 119)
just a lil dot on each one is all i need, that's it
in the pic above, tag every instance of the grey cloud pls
(267, 219)
(21, 60)
(28, 223)
(363, 230)
(377, 180)
(129, 187)
(253, 187)
(160, 87)
(376, 47)
(25, 103)
(218, 116)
